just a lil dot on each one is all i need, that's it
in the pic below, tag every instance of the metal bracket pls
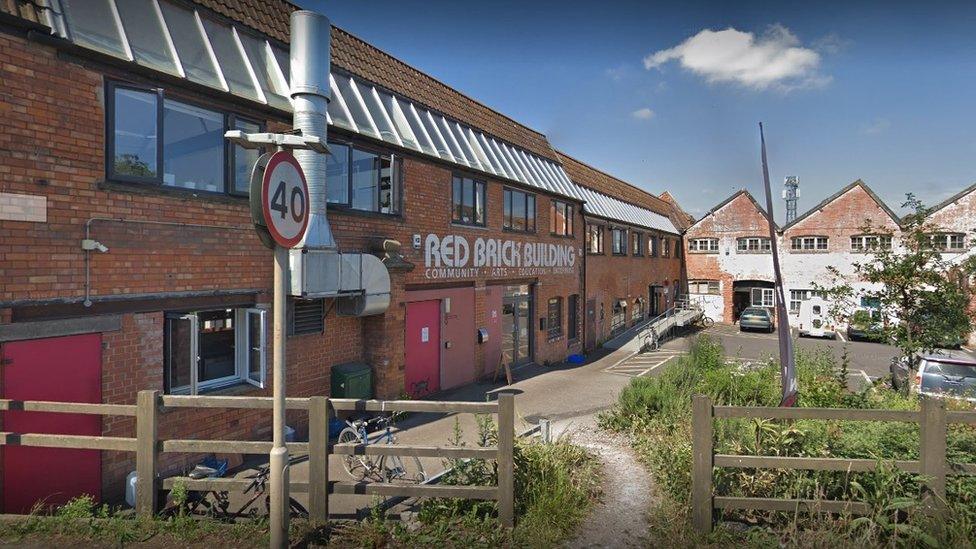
(280, 140)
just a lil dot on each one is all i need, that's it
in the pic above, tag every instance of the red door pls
(422, 369)
(65, 369)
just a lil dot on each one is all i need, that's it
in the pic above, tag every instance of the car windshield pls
(754, 311)
(949, 369)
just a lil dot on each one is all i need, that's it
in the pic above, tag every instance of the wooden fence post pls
(703, 459)
(506, 459)
(932, 451)
(319, 413)
(147, 452)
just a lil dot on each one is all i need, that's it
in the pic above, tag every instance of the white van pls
(814, 319)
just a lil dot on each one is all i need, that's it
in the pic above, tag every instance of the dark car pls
(865, 325)
(756, 318)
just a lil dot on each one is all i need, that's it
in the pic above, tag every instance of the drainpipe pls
(310, 94)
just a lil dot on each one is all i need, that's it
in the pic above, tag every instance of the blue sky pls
(668, 97)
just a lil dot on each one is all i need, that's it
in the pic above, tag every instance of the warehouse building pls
(128, 260)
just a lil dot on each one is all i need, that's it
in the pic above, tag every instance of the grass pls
(656, 413)
(555, 485)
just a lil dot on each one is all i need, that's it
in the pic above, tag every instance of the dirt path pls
(620, 519)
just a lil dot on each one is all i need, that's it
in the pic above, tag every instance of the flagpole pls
(787, 362)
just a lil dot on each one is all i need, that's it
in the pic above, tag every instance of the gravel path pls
(620, 519)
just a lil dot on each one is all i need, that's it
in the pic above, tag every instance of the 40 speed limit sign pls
(279, 199)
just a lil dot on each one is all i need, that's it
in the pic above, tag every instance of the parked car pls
(865, 325)
(756, 318)
(942, 376)
(814, 321)
(901, 372)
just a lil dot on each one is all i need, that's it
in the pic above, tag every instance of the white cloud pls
(878, 125)
(643, 114)
(775, 59)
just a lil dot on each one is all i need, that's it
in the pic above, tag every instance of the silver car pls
(756, 318)
(951, 377)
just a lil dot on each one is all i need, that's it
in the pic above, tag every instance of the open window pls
(207, 350)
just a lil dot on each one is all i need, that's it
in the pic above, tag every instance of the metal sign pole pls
(279, 452)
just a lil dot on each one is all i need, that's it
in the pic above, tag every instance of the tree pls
(922, 296)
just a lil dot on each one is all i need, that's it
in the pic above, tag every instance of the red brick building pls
(127, 256)
(633, 267)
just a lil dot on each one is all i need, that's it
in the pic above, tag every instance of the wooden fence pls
(148, 446)
(932, 419)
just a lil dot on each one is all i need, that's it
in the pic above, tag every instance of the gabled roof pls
(952, 198)
(840, 193)
(682, 218)
(728, 200)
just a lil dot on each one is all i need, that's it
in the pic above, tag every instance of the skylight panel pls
(191, 45)
(265, 70)
(399, 121)
(380, 116)
(423, 137)
(147, 36)
(231, 60)
(94, 23)
(354, 103)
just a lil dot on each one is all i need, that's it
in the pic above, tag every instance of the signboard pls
(453, 256)
(279, 199)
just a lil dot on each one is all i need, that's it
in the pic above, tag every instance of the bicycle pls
(361, 467)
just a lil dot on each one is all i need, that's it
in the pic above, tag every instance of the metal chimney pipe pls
(310, 94)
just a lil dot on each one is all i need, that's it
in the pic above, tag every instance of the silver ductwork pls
(360, 282)
(310, 95)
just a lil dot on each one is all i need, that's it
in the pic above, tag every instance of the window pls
(363, 180)
(677, 247)
(212, 349)
(753, 244)
(638, 313)
(306, 316)
(560, 218)
(710, 287)
(866, 242)
(809, 243)
(158, 140)
(572, 323)
(799, 296)
(762, 297)
(701, 245)
(619, 243)
(665, 247)
(519, 211)
(554, 318)
(468, 201)
(619, 319)
(638, 243)
(948, 241)
(594, 239)
(652, 245)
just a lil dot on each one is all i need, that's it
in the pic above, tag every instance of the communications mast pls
(791, 193)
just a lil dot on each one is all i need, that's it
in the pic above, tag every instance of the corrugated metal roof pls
(191, 45)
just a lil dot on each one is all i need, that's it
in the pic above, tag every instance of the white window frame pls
(868, 242)
(799, 296)
(767, 297)
(809, 243)
(242, 356)
(712, 287)
(703, 245)
(753, 244)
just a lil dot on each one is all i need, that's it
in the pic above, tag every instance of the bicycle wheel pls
(707, 322)
(358, 467)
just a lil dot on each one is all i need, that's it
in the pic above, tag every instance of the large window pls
(652, 246)
(637, 243)
(865, 242)
(519, 211)
(809, 243)
(953, 242)
(208, 350)
(572, 324)
(362, 179)
(554, 318)
(799, 296)
(618, 321)
(753, 244)
(665, 247)
(560, 218)
(468, 201)
(594, 239)
(762, 297)
(619, 237)
(159, 140)
(710, 287)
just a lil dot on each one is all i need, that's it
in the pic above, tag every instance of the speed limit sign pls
(279, 199)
